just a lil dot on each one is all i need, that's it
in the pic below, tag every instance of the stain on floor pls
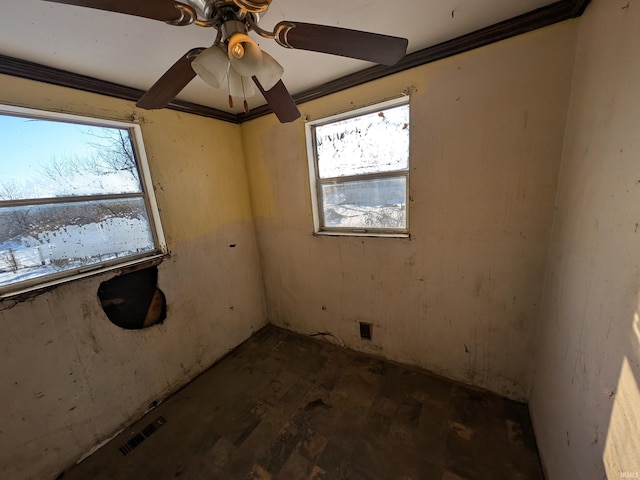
(284, 406)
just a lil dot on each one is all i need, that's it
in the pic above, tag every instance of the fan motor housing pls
(203, 7)
(253, 6)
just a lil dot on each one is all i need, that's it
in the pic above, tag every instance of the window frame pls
(316, 183)
(146, 193)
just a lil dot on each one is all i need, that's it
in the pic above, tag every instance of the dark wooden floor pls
(283, 406)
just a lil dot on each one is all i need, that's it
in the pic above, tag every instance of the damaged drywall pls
(133, 300)
(69, 377)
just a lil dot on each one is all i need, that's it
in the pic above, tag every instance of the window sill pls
(25, 293)
(332, 233)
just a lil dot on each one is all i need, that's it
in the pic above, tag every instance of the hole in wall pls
(365, 331)
(133, 300)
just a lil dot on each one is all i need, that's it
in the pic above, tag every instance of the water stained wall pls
(461, 296)
(69, 377)
(586, 393)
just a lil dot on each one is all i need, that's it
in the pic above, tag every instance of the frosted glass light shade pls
(248, 63)
(236, 83)
(270, 72)
(211, 66)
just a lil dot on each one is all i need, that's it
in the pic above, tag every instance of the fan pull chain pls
(244, 95)
(230, 97)
(229, 86)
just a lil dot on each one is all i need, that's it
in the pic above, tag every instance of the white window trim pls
(313, 172)
(46, 282)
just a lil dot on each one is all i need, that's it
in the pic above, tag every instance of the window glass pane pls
(47, 239)
(376, 203)
(45, 158)
(372, 143)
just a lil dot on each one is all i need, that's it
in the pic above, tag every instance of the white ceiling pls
(135, 51)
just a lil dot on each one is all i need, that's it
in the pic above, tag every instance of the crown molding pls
(539, 18)
(42, 73)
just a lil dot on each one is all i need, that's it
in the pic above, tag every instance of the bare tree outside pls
(10, 190)
(112, 153)
(119, 157)
(62, 169)
(40, 236)
(10, 260)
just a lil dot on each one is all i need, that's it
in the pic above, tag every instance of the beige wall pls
(461, 297)
(586, 398)
(68, 377)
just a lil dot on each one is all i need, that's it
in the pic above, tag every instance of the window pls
(359, 171)
(75, 198)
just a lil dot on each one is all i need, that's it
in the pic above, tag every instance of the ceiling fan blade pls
(280, 101)
(373, 47)
(171, 83)
(163, 10)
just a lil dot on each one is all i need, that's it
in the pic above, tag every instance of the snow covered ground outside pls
(52, 218)
(372, 149)
(374, 203)
(72, 246)
(361, 216)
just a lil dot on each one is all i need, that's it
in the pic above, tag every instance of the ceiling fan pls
(235, 60)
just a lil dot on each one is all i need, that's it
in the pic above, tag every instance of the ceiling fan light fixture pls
(270, 72)
(239, 86)
(236, 57)
(212, 65)
(245, 55)
(237, 51)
